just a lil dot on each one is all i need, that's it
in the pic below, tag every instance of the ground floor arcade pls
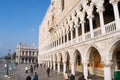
(99, 58)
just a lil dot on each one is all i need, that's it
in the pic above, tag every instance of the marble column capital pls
(85, 63)
(100, 9)
(82, 21)
(72, 62)
(77, 25)
(114, 1)
(107, 63)
(90, 16)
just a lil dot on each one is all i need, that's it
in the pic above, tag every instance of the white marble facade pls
(81, 35)
(26, 54)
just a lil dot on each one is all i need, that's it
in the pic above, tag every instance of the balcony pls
(109, 28)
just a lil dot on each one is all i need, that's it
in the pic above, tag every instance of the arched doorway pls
(95, 66)
(115, 57)
(68, 69)
(59, 62)
(78, 65)
(55, 58)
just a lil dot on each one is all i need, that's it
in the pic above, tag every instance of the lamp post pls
(7, 65)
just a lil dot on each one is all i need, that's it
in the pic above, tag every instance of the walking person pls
(89, 78)
(34, 66)
(26, 69)
(37, 65)
(83, 78)
(35, 76)
(65, 76)
(28, 77)
(72, 77)
(31, 70)
(48, 71)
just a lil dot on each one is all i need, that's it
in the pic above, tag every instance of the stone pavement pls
(2, 69)
(19, 74)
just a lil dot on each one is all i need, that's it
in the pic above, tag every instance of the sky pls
(19, 22)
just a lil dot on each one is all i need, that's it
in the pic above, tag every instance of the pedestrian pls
(26, 69)
(35, 76)
(65, 76)
(34, 66)
(80, 77)
(28, 77)
(88, 78)
(48, 71)
(72, 77)
(44, 65)
(31, 69)
(83, 78)
(37, 65)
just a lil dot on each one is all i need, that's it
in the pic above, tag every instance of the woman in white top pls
(66, 76)
(26, 69)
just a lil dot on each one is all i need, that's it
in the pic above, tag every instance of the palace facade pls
(81, 36)
(26, 54)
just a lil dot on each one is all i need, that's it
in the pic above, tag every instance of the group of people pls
(72, 77)
(35, 77)
(66, 76)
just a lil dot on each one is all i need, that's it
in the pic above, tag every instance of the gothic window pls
(87, 28)
(78, 59)
(33, 52)
(65, 38)
(74, 33)
(108, 13)
(26, 53)
(69, 36)
(29, 52)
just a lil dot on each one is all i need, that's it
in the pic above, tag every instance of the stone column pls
(54, 66)
(34, 60)
(63, 36)
(100, 11)
(85, 69)
(48, 64)
(91, 25)
(58, 66)
(27, 60)
(31, 60)
(76, 32)
(24, 60)
(71, 34)
(72, 67)
(20, 60)
(56, 43)
(83, 30)
(107, 70)
(64, 67)
(51, 65)
(67, 36)
(116, 12)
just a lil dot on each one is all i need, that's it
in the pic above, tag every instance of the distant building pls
(81, 36)
(26, 54)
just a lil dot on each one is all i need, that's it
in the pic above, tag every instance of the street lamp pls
(7, 65)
